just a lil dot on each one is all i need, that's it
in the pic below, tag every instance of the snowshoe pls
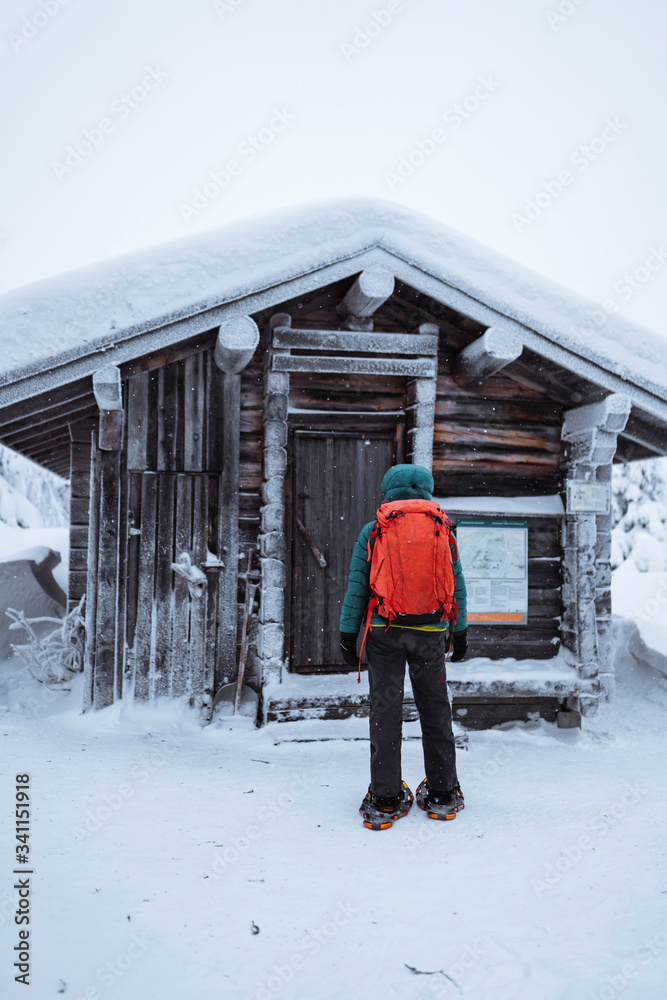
(380, 814)
(439, 806)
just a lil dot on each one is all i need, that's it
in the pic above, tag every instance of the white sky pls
(553, 86)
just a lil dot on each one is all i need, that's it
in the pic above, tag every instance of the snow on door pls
(171, 620)
(335, 491)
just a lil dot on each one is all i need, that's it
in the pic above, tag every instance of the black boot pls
(440, 805)
(380, 813)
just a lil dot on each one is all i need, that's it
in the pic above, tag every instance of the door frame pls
(418, 411)
(321, 425)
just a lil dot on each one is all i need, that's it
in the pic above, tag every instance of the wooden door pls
(170, 626)
(336, 477)
(178, 497)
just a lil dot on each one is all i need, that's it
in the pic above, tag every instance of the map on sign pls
(495, 553)
(494, 556)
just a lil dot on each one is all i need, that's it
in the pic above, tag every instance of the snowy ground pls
(158, 848)
(643, 597)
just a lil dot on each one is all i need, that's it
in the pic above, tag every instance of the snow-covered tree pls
(639, 507)
(31, 497)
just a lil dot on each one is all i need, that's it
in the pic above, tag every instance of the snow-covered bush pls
(639, 507)
(56, 656)
(31, 497)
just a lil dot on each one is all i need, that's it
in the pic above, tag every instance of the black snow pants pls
(387, 651)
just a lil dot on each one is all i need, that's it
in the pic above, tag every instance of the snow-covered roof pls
(65, 327)
(521, 506)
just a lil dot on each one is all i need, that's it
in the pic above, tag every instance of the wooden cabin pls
(245, 390)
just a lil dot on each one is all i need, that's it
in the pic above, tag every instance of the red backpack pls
(411, 563)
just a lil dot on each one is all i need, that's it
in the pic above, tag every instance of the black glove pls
(460, 645)
(348, 647)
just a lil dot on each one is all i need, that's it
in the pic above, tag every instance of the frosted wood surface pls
(163, 609)
(92, 515)
(137, 421)
(421, 368)
(180, 669)
(372, 288)
(192, 369)
(373, 343)
(143, 646)
(106, 579)
(201, 673)
(228, 531)
(336, 491)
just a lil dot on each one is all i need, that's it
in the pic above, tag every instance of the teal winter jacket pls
(402, 482)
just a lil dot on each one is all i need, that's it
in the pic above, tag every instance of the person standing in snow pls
(422, 641)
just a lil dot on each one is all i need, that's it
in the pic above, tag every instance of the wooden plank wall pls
(104, 626)
(176, 418)
(80, 450)
(108, 636)
(167, 631)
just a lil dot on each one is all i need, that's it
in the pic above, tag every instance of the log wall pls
(496, 439)
(502, 438)
(540, 638)
(250, 466)
(347, 393)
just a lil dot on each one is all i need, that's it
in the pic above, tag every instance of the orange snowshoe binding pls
(379, 813)
(437, 805)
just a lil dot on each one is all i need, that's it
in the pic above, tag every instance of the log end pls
(235, 345)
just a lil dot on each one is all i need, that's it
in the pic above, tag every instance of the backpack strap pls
(374, 533)
(371, 608)
(451, 618)
(452, 537)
